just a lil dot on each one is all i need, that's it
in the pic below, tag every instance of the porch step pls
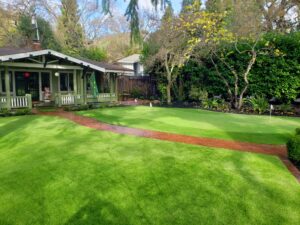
(43, 104)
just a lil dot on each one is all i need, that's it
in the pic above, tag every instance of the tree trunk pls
(169, 100)
(224, 80)
(169, 78)
(246, 74)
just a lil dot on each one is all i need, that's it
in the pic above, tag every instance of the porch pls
(53, 78)
(59, 88)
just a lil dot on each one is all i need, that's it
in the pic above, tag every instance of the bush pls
(223, 106)
(210, 104)
(4, 112)
(285, 108)
(17, 112)
(77, 108)
(293, 146)
(21, 112)
(198, 94)
(259, 104)
(136, 93)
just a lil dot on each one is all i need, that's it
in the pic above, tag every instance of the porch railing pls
(16, 102)
(103, 97)
(3, 102)
(71, 99)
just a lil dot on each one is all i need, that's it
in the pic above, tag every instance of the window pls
(136, 69)
(2, 77)
(66, 82)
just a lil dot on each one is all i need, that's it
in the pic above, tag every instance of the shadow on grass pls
(98, 212)
(164, 182)
(245, 128)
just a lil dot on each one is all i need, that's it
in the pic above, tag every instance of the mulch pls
(276, 150)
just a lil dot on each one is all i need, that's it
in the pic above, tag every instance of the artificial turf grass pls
(201, 123)
(53, 171)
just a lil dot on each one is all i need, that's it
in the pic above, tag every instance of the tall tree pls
(219, 5)
(7, 27)
(133, 15)
(26, 35)
(273, 15)
(218, 38)
(169, 49)
(277, 14)
(188, 3)
(72, 35)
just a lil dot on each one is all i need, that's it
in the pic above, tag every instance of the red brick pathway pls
(276, 150)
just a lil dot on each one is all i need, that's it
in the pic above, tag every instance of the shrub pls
(259, 104)
(223, 105)
(198, 94)
(4, 112)
(17, 112)
(286, 107)
(77, 108)
(297, 131)
(293, 146)
(210, 104)
(136, 93)
(20, 112)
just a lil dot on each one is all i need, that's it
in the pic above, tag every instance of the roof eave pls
(59, 55)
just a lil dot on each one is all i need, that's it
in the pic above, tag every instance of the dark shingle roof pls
(10, 51)
(109, 66)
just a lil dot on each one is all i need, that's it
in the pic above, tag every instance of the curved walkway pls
(275, 150)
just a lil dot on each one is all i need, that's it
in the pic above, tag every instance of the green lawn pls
(194, 122)
(55, 172)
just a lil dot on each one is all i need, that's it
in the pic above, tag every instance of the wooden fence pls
(127, 85)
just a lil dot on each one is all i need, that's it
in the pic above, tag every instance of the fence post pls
(29, 100)
(116, 88)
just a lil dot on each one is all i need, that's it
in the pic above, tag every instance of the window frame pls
(70, 90)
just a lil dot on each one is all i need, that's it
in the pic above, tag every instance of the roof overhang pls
(82, 63)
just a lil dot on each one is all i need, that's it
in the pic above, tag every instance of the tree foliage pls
(275, 74)
(132, 14)
(26, 33)
(70, 30)
(95, 53)
(169, 49)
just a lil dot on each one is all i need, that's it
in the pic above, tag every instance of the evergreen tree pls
(70, 29)
(219, 5)
(25, 34)
(196, 4)
(169, 13)
(133, 15)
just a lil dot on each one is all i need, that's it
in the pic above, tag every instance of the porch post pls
(84, 90)
(7, 88)
(110, 77)
(112, 85)
(75, 82)
(116, 87)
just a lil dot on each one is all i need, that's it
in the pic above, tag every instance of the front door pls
(28, 83)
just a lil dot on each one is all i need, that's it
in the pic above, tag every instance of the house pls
(32, 76)
(133, 63)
